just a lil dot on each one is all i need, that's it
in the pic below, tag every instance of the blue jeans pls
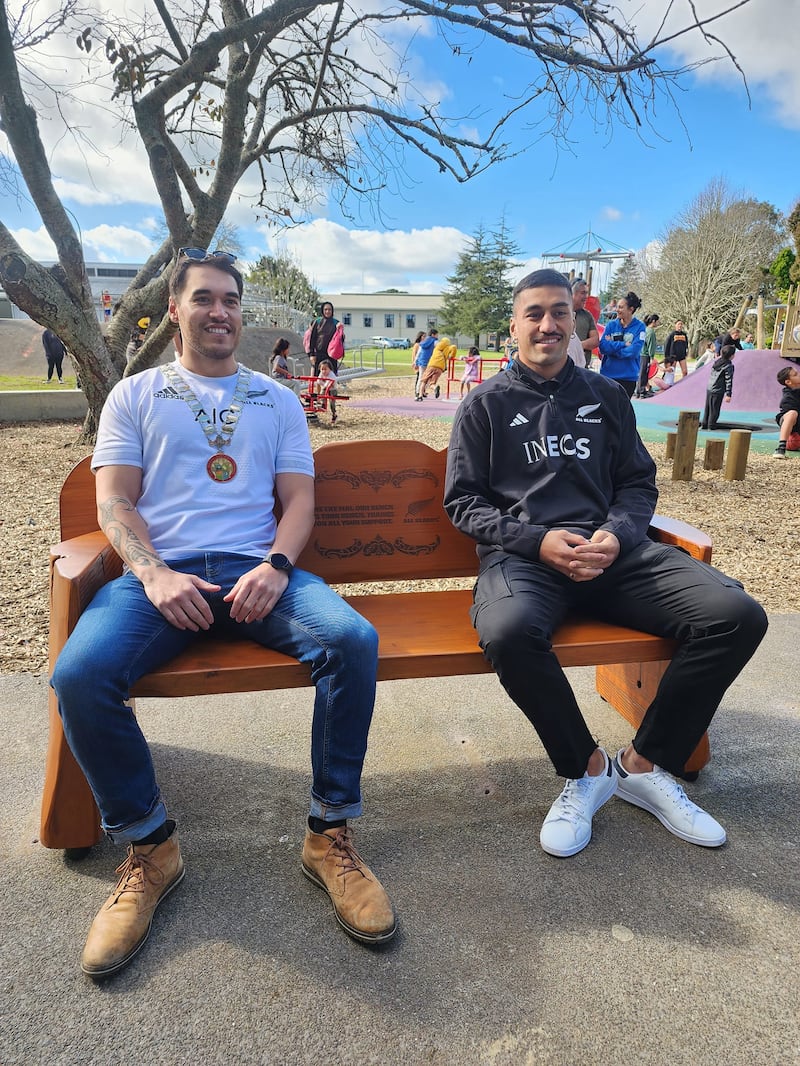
(121, 636)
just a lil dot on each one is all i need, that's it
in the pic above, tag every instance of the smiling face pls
(579, 296)
(208, 310)
(542, 325)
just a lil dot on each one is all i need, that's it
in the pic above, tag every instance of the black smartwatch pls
(280, 562)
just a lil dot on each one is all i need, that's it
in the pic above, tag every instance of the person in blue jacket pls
(622, 342)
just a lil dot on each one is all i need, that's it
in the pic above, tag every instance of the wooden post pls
(683, 463)
(738, 449)
(760, 324)
(669, 453)
(715, 450)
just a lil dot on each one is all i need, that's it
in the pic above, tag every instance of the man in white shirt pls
(189, 461)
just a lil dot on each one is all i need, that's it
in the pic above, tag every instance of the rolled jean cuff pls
(328, 813)
(138, 830)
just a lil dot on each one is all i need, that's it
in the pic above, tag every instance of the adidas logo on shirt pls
(518, 420)
(169, 393)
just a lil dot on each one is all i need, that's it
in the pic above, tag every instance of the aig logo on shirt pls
(554, 447)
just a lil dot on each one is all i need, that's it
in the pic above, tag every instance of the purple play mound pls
(755, 387)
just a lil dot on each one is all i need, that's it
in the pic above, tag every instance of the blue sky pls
(625, 186)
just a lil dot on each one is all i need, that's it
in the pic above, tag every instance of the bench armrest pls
(78, 568)
(673, 531)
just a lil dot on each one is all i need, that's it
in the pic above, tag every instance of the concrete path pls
(642, 949)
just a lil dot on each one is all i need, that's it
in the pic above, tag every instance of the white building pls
(384, 314)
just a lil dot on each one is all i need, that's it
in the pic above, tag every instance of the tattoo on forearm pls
(125, 541)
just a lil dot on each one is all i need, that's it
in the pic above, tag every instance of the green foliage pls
(478, 299)
(781, 271)
(285, 285)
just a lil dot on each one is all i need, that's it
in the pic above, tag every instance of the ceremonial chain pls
(220, 467)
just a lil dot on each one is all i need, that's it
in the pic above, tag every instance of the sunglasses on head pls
(200, 255)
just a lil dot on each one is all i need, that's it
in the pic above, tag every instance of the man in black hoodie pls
(546, 472)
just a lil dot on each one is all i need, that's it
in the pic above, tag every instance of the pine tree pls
(478, 299)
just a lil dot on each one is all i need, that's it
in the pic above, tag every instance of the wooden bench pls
(379, 518)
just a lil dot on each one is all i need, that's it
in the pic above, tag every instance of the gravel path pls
(752, 522)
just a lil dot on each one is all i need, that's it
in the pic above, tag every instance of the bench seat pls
(379, 519)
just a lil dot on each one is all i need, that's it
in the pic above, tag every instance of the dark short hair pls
(727, 351)
(783, 374)
(540, 279)
(177, 282)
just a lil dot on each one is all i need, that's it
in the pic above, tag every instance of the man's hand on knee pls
(179, 597)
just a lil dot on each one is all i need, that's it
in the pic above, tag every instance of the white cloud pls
(760, 35)
(611, 214)
(108, 244)
(116, 244)
(36, 243)
(338, 259)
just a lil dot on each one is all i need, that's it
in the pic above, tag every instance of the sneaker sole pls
(356, 934)
(637, 802)
(566, 854)
(109, 971)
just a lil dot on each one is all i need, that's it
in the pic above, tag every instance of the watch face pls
(280, 562)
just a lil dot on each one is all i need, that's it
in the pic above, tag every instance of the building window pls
(431, 323)
(346, 319)
(367, 321)
(411, 321)
(388, 321)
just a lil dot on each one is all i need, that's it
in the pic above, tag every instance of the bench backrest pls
(379, 514)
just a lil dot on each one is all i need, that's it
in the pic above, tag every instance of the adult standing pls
(322, 331)
(426, 346)
(648, 354)
(585, 325)
(414, 363)
(190, 460)
(547, 473)
(621, 344)
(54, 351)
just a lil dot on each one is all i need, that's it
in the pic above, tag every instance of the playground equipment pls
(501, 360)
(786, 337)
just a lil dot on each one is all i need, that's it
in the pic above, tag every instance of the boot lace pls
(343, 852)
(136, 871)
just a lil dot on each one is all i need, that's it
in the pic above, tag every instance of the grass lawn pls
(17, 382)
(397, 361)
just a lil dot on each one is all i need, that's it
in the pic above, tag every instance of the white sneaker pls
(567, 829)
(659, 793)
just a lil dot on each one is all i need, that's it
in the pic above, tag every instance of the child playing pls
(325, 385)
(789, 410)
(720, 385)
(472, 365)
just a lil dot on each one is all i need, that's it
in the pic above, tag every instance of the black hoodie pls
(528, 455)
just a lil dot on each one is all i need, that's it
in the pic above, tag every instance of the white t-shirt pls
(146, 423)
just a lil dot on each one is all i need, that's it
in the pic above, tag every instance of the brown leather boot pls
(360, 902)
(148, 874)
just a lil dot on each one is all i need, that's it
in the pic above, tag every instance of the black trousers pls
(656, 588)
(712, 409)
(643, 383)
(54, 362)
